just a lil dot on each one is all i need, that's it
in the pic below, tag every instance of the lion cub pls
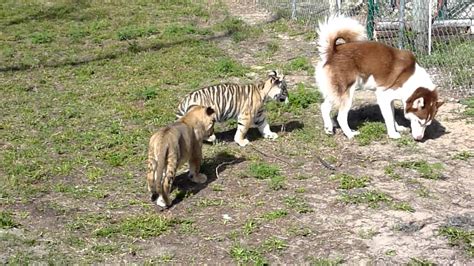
(175, 144)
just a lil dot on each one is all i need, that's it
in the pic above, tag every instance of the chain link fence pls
(440, 32)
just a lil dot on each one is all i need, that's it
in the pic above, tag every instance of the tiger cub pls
(244, 102)
(175, 144)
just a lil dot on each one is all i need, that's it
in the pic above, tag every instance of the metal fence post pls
(370, 19)
(401, 32)
(421, 24)
(293, 9)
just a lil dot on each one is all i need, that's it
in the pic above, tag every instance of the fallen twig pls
(221, 164)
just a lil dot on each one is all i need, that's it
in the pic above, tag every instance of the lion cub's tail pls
(157, 164)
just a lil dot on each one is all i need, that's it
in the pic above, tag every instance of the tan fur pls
(175, 144)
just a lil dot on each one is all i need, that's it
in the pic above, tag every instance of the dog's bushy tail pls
(334, 28)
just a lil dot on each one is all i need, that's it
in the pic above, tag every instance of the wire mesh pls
(439, 32)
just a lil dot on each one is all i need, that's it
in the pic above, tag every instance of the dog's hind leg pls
(344, 107)
(326, 107)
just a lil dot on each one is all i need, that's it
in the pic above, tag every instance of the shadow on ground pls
(208, 167)
(253, 134)
(371, 113)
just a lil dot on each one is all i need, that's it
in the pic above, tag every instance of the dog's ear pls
(439, 103)
(418, 103)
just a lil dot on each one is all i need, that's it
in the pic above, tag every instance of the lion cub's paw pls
(199, 178)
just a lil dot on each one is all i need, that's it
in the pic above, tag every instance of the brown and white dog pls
(356, 62)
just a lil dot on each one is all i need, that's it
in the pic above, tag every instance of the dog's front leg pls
(384, 100)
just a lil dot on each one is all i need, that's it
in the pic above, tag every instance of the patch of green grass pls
(41, 38)
(318, 261)
(403, 206)
(406, 141)
(226, 67)
(6, 220)
(390, 171)
(463, 155)
(367, 234)
(299, 231)
(273, 215)
(106, 248)
(134, 32)
(143, 226)
(297, 203)
(217, 187)
(425, 169)
(210, 202)
(469, 102)
(187, 227)
(300, 64)
(250, 226)
(372, 198)
(299, 99)
(420, 262)
(238, 29)
(262, 170)
(246, 255)
(459, 237)
(349, 182)
(370, 132)
(274, 244)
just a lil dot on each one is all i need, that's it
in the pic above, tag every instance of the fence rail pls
(440, 32)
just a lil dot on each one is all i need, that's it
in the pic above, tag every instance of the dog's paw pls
(199, 178)
(352, 134)
(394, 135)
(243, 142)
(401, 128)
(271, 135)
(329, 130)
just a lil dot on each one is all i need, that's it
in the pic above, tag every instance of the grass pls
(469, 102)
(370, 132)
(273, 215)
(420, 262)
(463, 155)
(274, 244)
(143, 226)
(246, 255)
(297, 203)
(318, 261)
(299, 99)
(373, 198)
(299, 64)
(459, 237)
(6, 220)
(349, 182)
(425, 169)
(262, 170)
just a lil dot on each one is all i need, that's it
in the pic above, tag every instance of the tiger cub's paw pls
(271, 135)
(199, 178)
(161, 202)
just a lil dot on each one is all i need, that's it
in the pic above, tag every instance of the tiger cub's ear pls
(209, 111)
(272, 74)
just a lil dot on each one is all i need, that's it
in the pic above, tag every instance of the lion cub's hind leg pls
(195, 167)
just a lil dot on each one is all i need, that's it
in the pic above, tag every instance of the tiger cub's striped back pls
(244, 102)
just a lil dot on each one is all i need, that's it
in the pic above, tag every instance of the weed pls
(420, 262)
(210, 202)
(300, 190)
(325, 261)
(406, 141)
(106, 248)
(459, 237)
(391, 252)
(217, 187)
(143, 226)
(247, 255)
(147, 93)
(274, 215)
(469, 102)
(349, 182)
(250, 226)
(371, 131)
(372, 198)
(274, 244)
(227, 67)
(390, 171)
(299, 231)
(298, 204)
(187, 227)
(6, 220)
(277, 182)
(463, 155)
(367, 234)
(41, 37)
(133, 32)
(425, 169)
(403, 206)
